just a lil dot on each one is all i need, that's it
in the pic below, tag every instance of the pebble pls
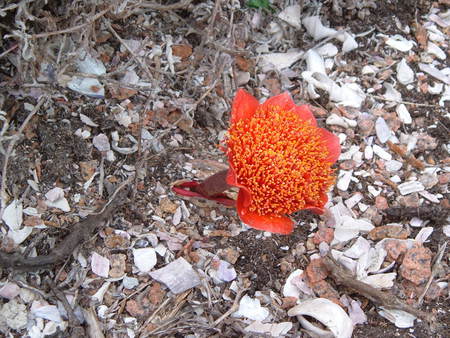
(381, 203)
(382, 130)
(366, 126)
(323, 235)
(395, 249)
(336, 120)
(388, 231)
(381, 153)
(410, 187)
(130, 282)
(316, 271)
(416, 266)
(135, 309)
(444, 178)
(428, 180)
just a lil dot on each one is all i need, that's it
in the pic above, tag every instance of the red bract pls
(279, 159)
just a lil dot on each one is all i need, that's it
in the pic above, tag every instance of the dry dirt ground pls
(161, 79)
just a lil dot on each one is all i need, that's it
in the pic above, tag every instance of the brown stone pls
(416, 266)
(324, 290)
(167, 205)
(289, 302)
(323, 235)
(413, 291)
(395, 249)
(381, 203)
(388, 231)
(411, 200)
(156, 294)
(118, 265)
(316, 271)
(134, 308)
(366, 126)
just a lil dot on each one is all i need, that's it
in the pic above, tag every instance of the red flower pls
(279, 159)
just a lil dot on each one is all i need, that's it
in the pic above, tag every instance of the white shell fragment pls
(405, 74)
(410, 187)
(316, 29)
(281, 60)
(391, 93)
(9, 290)
(399, 318)
(344, 179)
(87, 86)
(382, 130)
(381, 280)
(178, 276)
(101, 142)
(434, 72)
(12, 215)
(144, 259)
(251, 308)
(446, 230)
(400, 43)
(381, 152)
(55, 199)
(291, 15)
(100, 265)
(403, 114)
(18, 236)
(328, 313)
(295, 286)
(42, 309)
(275, 330)
(434, 49)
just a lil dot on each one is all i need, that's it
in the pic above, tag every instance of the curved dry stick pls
(79, 233)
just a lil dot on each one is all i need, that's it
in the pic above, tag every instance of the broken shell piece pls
(381, 280)
(391, 93)
(100, 265)
(403, 114)
(316, 29)
(281, 60)
(178, 276)
(144, 259)
(291, 15)
(400, 43)
(410, 187)
(382, 130)
(251, 309)
(326, 312)
(400, 318)
(405, 74)
(295, 285)
(12, 215)
(435, 50)
(275, 330)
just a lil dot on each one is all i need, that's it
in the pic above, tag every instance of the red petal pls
(318, 208)
(184, 189)
(305, 114)
(274, 223)
(332, 142)
(244, 106)
(283, 101)
(231, 176)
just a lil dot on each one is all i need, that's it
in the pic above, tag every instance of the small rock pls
(324, 290)
(388, 231)
(118, 265)
(156, 294)
(428, 180)
(410, 200)
(167, 205)
(395, 249)
(323, 235)
(366, 126)
(416, 266)
(251, 309)
(135, 309)
(13, 315)
(381, 203)
(403, 114)
(9, 290)
(316, 271)
(426, 142)
(130, 282)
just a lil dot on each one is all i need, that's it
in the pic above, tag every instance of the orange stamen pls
(281, 160)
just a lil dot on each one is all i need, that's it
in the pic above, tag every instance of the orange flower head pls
(280, 160)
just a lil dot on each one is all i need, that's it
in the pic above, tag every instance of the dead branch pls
(80, 233)
(387, 300)
(11, 147)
